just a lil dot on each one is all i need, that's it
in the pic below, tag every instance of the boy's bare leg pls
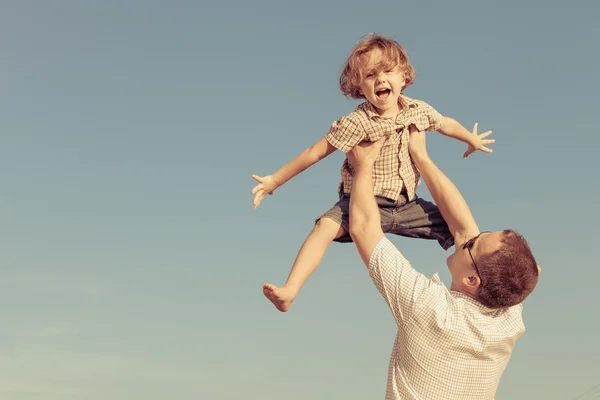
(309, 257)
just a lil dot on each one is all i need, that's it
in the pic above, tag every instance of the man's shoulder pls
(385, 252)
(503, 321)
(386, 255)
(409, 293)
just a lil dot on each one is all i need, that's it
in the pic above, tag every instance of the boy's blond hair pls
(393, 55)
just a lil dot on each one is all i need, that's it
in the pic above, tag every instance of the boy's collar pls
(372, 113)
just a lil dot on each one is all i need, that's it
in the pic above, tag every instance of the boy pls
(378, 70)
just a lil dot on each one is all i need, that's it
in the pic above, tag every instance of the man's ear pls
(471, 283)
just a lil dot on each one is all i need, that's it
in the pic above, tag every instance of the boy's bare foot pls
(281, 297)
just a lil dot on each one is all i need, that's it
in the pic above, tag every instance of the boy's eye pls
(370, 75)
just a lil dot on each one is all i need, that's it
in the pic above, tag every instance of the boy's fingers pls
(256, 178)
(488, 141)
(475, 128)
(487, 150)
(486, 134)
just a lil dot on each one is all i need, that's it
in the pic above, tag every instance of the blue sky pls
(132, 259)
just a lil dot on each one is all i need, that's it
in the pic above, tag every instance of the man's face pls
(382, 87)
(463, 263)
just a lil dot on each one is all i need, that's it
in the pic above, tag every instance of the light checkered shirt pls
(448, 345)
(393, 171)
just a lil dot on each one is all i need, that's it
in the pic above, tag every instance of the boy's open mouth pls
(383, 94)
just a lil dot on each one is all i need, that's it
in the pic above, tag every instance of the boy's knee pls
(329, 227)
(326, 224)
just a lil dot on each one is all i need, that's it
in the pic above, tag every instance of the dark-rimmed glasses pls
(469, 245)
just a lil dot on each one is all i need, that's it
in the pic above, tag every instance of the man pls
(451, 344)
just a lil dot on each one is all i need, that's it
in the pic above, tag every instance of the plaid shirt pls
(448, 346)
(394, 171)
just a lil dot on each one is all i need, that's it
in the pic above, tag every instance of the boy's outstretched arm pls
(452, 128)
(267, 184)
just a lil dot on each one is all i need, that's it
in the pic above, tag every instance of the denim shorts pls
(415, 219)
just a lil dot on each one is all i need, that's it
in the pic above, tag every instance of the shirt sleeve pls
(345, 133)
(402, 287)
(427, 118)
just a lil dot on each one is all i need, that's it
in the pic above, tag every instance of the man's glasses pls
(469, 245)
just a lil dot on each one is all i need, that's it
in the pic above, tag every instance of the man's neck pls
(460, 288)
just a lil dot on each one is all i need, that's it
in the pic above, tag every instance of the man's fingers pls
(419, 134)
(366, 151)
(418, 138)
(379, 144)
(365, 144)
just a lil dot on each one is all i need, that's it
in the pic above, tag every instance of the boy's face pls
(381, 86)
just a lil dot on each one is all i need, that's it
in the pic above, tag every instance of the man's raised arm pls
(365, 220)
(446, 196)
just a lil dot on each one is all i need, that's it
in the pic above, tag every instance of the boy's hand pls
(477, 142)
(266, 185)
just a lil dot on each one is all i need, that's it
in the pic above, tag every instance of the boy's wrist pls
(276, 181)
(471, 140)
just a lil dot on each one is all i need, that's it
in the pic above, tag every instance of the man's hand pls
(416, 144)
(365, 219)
(476, 142)
(365, 153)
(266, 185)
